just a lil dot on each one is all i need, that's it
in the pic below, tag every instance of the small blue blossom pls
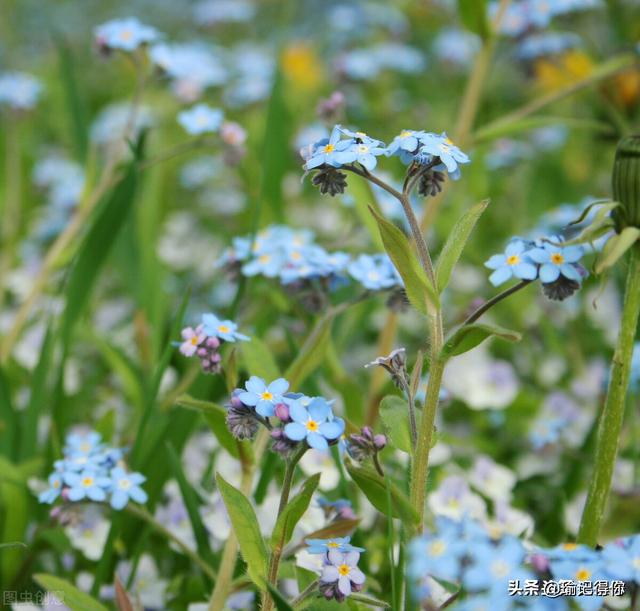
(621, 559)
(263, 396)
(201, 119)
(341, 575)
(87, 484)
(334, 152)
(19, 90)
(226, 330)
(340, 544)
(556, 260)
(514, 263)
(125, 486)
(314, 423)
(405, 144)
(124, 34)
(442, 147)
(360, 137)
(375, 272)
(55, 488)
(365, 154)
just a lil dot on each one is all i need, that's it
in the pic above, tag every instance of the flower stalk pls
(613, 412)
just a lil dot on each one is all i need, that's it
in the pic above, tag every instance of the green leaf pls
(279, 600)
(245, 526)
(394, 412)
(12, 544)
(456, 241)
(616, 247)
(339, 528)
(312, 352)
(192, 504)
(370, 600)
(72, 597)
(292, 513)
(364, 198)
(216, 417)
(419, 291)
(8, 419)
(469, 336)
(473, 14)
(107, 222)
(258, 359)
(374, 488)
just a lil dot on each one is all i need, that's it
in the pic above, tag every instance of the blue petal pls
(500, 275)
(495, 261)
(279, 386)
(549, 273)
(319, 410)
(138, 495)
(265, 409)
(255, 385)
(526, 271)
(295, 431)
(317, 441)
(298, 413)
(331, 430)
(249, 398)
(572, 254)
(539, 255)
(569, 271)
(119, 499)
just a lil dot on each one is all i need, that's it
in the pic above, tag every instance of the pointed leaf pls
(394, 412)
(469, 336)
(279, 600)
(616, 247)
(456, 241)
(292, 513)
(72, 597)
(473, 13)
(374, 488)
(419, 291)
(258, 360)
(339, 528)
(245, 526)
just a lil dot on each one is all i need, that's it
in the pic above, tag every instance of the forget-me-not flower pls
(263, 396)
(125, 486)
(125, 34)
(441, 146)
(53, 492)
(333, 152)
(375, 272)
(87, 484)
(556, 260)
(201, 119)
(314, 423)
(343, 570)
(226, 330)
(339, 544)
(514, 263)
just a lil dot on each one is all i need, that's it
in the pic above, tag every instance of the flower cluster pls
(556, 266)
(296, 260)
(296, 417)
(436, 153)
(19, 91)
(204, 341)
(340, 573)
(95, 471)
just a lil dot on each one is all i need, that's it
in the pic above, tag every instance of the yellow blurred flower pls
(302, 66)
(562, 70)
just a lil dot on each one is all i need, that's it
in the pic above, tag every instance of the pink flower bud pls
(282, 412)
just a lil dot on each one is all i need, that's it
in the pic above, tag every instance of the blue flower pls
(87, 484)
(513, 263)
(201, 119)
(555, 261)
(365, 153)
(621, 559)
(333, 152)
(375, 272)
(314, 423)
(340, 544)
(268, 264)
(262, 396)
(124, 34)
(53, 492)
(222, 329)
(19, 90)
(405, 144)
(576, 569)
(83, 443)
(125, 486)
(360, 137)
(442, 147)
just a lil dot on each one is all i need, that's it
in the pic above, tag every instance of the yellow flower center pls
(582, 574)
(312, 425)
(56, 483)
(296, 256)
(513, 260)
(266, 396)
(124, 484)
(570, 547)
(636, 563)
(126, 35)
(333, 544)
(557, 258)
(201, 120)
(264, 258)
(437, 548)
(500, 568)
(448, 141)
(329, 148)
(194, 340)
(87, 481)
(344, 569)
(363, 148)
(223, 329)
(405, 133)
(85, 446)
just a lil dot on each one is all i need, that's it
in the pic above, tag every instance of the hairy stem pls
(613, 412)
(276, 554)
(310, 589)
(487, 305)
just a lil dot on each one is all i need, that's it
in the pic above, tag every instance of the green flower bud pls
(626, 183)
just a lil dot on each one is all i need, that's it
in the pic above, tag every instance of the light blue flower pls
(343, 570)
(621, 559)
(555, 260)
(19, 90)
(514, 263)
(268, 264)
(263, 396)
(441, 146)
(125, 486)
(405, 144)
(365, 154)
(87, 484)
(340, 544)
(83, 443)
(576, 569)
(547, 43)
(222, 329)
(125, 34)
(53, 492)
(334, 152)
(201, 119)
(314, 423)
(360, 137)
(375, 272)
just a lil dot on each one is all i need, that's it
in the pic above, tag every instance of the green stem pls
(276, 554)
(487, 305)
(310, 589)
(143, 514)
(613, 411)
